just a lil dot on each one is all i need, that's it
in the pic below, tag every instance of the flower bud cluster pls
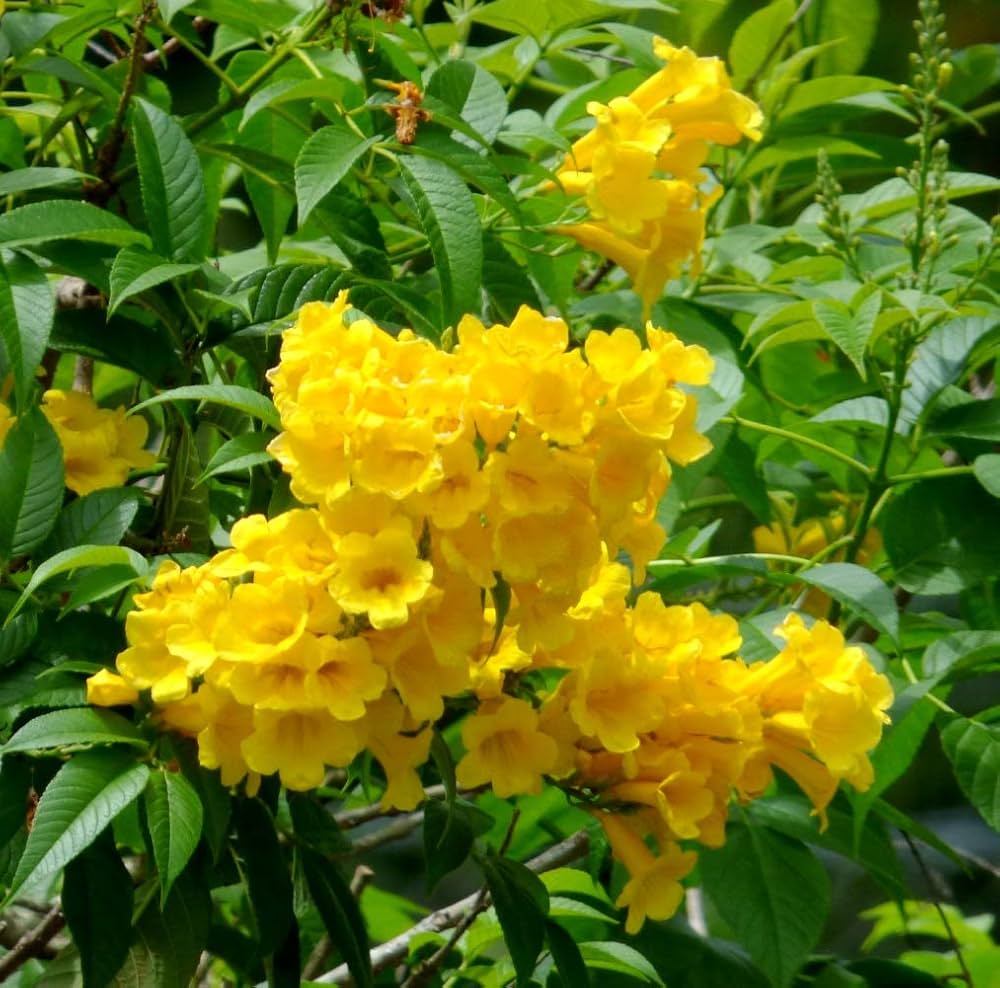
(640, 168)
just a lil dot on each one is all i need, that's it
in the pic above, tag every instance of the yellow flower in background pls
(99, 446)
(640, 169)
(505, 746)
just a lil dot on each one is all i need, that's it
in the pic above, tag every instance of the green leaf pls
(474, 94)
(266, 872)
(521, 902)
(27, 309)
(168, 942)
(238, 453)
(184, 505)
(620, 958)
(974, 752)
(773, 893)
(970, 420)
(173, 186)
(135, 270)
(85, 795)
(98, 518)
(448, 216)
(566, 955)
(738, 468)
(850, 23)
(755, 39)
(16, 637)
(97, 899)
(72, 559)
(72, 728)
(62, 219)
(315, 826)
(175, 817)
(170, 7)
(956, 542)
(29, 179)
(449, 834)
(849, 330)
(323, 161)
(31, 484)
(505, 281)
(859, 589)
(216, 803)
(340, 914)
(230, 395)
(959, 653)
(986, 469)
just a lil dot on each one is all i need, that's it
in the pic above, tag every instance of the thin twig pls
(107, 156)
(397, 830)
(393, 951)
(321, 952)
(966, 975)
(33, 943)
(595, 277)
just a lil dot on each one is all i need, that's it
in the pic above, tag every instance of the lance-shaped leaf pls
(175, 816)
(136, 270)
(173, 186)
(85, 795)
(27, 309)
(323, 161)
(71, 728)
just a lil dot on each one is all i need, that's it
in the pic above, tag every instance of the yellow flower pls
(505, 747)
(298, 745)
(263, 621)
(461, 489)
(105, 689)
(381, 575)
(99, 446)
(401, 748)
(226, 725)
(654, 889)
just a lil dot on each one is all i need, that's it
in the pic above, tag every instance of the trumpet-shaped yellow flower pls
(505, 747)
(106, 689)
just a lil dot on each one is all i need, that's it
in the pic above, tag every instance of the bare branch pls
(393, 951)
(33, 944)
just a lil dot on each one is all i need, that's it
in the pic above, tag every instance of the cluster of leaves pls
(181, 176)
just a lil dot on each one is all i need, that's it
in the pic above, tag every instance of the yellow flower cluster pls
(640, 168)
(465, 511)
(99, 446)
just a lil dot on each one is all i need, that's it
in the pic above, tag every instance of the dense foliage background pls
(181, 176)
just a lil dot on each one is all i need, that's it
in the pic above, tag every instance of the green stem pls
(774, 430)
(936, 474)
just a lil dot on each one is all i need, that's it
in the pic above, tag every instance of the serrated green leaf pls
(230, 395)
(960, 652)
(98, 518)
(97, 899)
(859, 589)
(448, 216)
(521, 902)
(29, 179)
(238, 453)
(27, 309)
(474, 94)
(85, 795)
(136, 270)
(325, 159)
(216, 803)
(266, 872)
(184, 508)
(72, 559)
(170, 7)
(62, 219)
(773, 893)
(172, 182)
(849, 330)
(174, 814)
(31, 484)
(72, 728)
(340, 914)
(974, 752)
